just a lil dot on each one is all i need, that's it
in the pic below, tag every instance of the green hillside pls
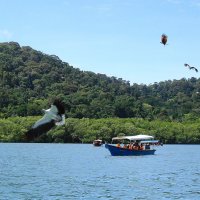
(97, 106)
(30, 79)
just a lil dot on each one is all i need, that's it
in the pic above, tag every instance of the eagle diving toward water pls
(53, 116)
(163, 39)
(186, 65)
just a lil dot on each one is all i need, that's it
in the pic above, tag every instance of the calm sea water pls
(81, 171)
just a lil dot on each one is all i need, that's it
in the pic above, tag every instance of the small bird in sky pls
(164, 39)
(187, 65)
(53, 116)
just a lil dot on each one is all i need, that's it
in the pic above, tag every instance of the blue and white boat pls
(137, 145)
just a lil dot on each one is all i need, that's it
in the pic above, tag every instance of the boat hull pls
(97, 145)
(119, 151)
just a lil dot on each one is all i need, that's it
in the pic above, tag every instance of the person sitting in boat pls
(141, 147)
(125, 146)
(118, 145)
(130, 146)
(136, 146)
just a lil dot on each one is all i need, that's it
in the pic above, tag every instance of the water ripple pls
(70, 171)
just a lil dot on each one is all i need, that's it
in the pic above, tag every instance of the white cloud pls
(5, 34)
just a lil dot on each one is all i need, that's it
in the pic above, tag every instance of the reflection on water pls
(81, 171)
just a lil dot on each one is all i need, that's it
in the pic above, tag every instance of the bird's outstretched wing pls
(39, 130)
(186, 65)
(194, 69)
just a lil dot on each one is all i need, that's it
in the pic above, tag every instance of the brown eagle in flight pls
(164, 39)
(194, 68)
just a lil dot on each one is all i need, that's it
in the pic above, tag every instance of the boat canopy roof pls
(150, 141)
(98, 140)
(133, 138)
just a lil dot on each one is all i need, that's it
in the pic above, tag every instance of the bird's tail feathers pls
(62, 122)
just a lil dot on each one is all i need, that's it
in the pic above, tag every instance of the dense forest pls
(30, 80)
(86, 130)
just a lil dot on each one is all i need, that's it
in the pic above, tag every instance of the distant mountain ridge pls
(30, 79)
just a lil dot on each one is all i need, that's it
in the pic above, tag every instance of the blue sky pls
(113, 37)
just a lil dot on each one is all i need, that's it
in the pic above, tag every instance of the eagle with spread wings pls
(54, 116)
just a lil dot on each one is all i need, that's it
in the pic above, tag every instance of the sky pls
(113, 37)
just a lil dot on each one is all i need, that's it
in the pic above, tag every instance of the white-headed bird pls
(53, 116)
